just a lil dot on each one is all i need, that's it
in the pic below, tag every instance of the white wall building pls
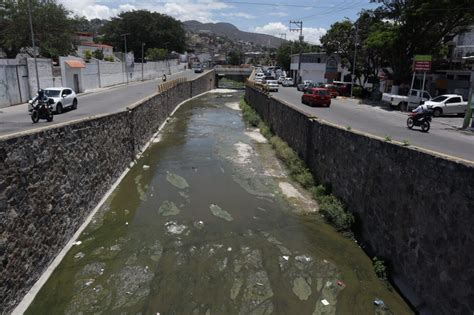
(313, 67)
(464, 45)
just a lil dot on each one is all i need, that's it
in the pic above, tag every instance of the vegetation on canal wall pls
(330, 207)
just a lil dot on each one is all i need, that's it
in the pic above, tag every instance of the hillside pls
(232, 32)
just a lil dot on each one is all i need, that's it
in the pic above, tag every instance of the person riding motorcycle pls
(421, 111)
(41, 97)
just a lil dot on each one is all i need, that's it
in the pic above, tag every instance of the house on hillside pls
(86, 42)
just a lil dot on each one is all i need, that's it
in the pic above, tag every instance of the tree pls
(421, 27)
(155, 54)
(52, 27)
(98, 54)
(234, 57)
(155, 29)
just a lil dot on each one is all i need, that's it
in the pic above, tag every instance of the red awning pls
(75, 63)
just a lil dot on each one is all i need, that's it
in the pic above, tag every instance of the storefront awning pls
(75, 63)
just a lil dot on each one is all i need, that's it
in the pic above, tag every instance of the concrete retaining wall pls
(50, 180)
(416, 215)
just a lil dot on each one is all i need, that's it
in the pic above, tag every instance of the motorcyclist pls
(41, 97)
(421, 111)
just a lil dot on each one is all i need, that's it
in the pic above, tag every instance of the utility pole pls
(282, 36)
(298, 27)
(470, 101)
(125, 54)
(33, 44)
(143, 60)
(355, 55)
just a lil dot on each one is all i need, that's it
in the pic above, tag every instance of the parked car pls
(333, 90)
(402, 101)
(304, 85)
(268, 78)
(316, 96)
(288, 82)
(272, 85)
(198, 70)
(63, 97)
(343, 87)
(447, 104)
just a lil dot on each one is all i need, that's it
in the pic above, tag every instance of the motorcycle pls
(423, 121)
(42, 109)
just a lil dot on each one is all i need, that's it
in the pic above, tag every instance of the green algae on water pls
(177, 181)
(220, 213)
(168, 208)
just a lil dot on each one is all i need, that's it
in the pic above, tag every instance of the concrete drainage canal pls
(208, 222)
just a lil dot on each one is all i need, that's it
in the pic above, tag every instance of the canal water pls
(208, 222)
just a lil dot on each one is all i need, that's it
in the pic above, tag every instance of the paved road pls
(15, 118)
(442, 137)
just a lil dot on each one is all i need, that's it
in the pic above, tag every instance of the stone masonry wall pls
(51, 180)
(414, 209)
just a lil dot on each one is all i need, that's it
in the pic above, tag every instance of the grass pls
(332, 209)
(405, 143)
(388, 138)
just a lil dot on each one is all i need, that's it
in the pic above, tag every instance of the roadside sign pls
(331, 68)
(422, 63)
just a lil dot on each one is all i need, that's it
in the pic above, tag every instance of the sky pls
(260, 16)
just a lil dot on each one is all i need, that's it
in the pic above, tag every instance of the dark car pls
(198, 70)
(333, 90)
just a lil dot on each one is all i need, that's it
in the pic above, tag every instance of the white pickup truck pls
(447, 104)
(405, 101)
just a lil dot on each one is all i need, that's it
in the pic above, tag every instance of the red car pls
(317, 96)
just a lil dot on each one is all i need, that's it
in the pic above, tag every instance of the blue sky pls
(262, 16)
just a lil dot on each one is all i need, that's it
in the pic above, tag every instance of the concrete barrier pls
(51, 179)
(414, 209)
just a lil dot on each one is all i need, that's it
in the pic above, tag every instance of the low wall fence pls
(52, 178)
(417, 215)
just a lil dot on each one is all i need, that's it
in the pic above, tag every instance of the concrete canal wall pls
(415, 209)
(51, 179)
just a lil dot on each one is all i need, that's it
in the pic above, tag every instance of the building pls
(314, 66)
(86, 42)
(464, 45)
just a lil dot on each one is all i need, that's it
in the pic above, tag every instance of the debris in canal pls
(140, 189)
(198, 225)
(244, 152)
(254, 134)
(168, 208)
(174, 228)
(220, 213)
(233, 105)
(146, 167)
(131, 285)
(177, 181)
(325, 302)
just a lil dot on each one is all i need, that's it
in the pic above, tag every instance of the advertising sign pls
(422, 63)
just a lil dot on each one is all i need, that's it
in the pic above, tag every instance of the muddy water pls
(207, 222)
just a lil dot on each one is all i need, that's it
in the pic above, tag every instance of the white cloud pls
(239, 15)
(279, 14)
(311, 34)
(201, 10)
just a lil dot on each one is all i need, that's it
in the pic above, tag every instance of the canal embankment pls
(413, 208)
(52, 178)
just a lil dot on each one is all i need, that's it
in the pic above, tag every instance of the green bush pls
(334, 212)
(265, 130)
(87, 55)
(318, 192)
(98, 54)
(380, 268)
(249, 114)
(357, 91)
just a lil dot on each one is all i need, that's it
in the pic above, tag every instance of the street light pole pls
(468, 115)
(33, 44)
(125, 54)
(355, 55)
(143, 60)
(299, 27)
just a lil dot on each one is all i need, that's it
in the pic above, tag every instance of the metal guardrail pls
(162, 87)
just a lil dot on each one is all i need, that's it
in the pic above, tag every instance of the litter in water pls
(286, 257)
(379, 302)
(77, 243)
(146, 167)
(325, 302)
(174, 228)
(168, 208)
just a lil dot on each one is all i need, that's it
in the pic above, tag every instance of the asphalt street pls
(443, 136)
(108, 100)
